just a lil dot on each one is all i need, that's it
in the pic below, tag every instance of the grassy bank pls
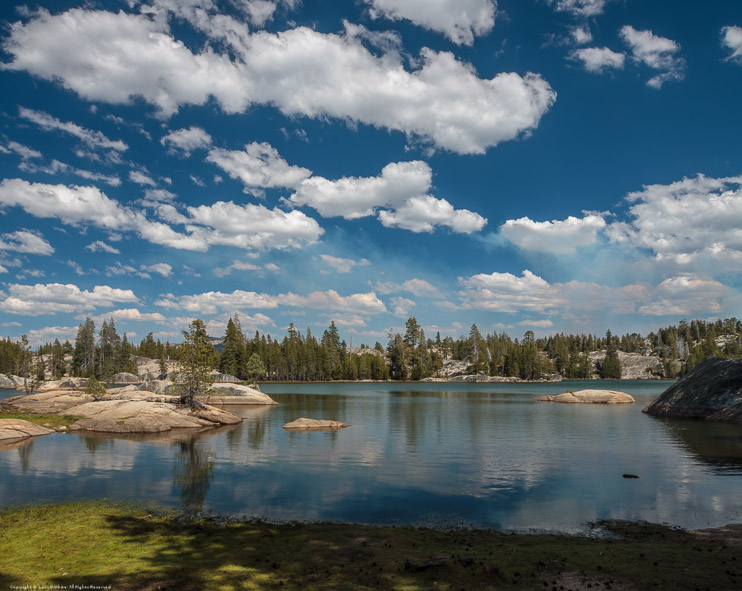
(50, 421)
(98, 544)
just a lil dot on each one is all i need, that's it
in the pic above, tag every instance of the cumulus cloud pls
(221, 223)
(680, 295)
(401, 187)
(459, 20)
(581, 35)
(402, 306)
(582, 8)
(51, 298)
(25, 241)
(186, 140)
(114, 57)
(244, 266)
(163, 269)
(598, 59)
(695, 220)
(91, 138)
(130, 314)
(359, 303)
(658, 53)
(138, 177)
(424, 213)
(343, 265)
(258, 166)
(556, 236)
(732, 39)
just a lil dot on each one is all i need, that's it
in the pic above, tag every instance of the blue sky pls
(546, 165)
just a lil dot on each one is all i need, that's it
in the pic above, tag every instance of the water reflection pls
(192, 474)
(718, 445)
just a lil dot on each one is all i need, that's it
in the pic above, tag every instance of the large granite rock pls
(303, 424)
(48, 403)
(237, 394)
(6, 382)
(125, 377)
(122, 412)
(711, 391)
(590, 397)
(69, 383)
(156, 386)
(223, 377)
(12, 430)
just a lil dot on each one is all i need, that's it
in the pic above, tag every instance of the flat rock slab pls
(590, 397)
(12, 430)
(237, 394)
(64, 383)
(48, 403)
(303, 424)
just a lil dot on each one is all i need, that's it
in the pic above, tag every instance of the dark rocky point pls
(711, 391)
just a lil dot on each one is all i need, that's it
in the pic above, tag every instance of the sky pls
(549, 165)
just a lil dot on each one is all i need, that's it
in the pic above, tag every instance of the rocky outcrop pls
(125, 378)
(122, 412)
(590, 397)
(64, 383)
(634, 366)
(303, 424)
(156, 386)
(237, 394)
(711, 391)
(12, 430)
(224, 378)
(48, 403)
(6, 381)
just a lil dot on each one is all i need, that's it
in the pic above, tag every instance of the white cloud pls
(100, 246)
(696, 220)
(422, 214)
(732, 38)
(186, 140)
(543, 323)
(258, 166)
(114, 57)
(249, 226)
(555, 237)
(418, 287)
(356, 197)
(138, 177)
(91, 138)
(579, 7)
(75, 267)
(50, 298)
(25, 241)
(253, 226)
(581, 35)
(459, 20)
(359, 303)
(401, 186)
(23, 151)
(163, 269)
(243, 266)
(598, 59)
(680, 295)
(658, 53)
(57, 167)
(40, 336)
(343, 265)
(402, 306)
(130, 314)
(214, 301)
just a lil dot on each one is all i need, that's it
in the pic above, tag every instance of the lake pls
(485, 455)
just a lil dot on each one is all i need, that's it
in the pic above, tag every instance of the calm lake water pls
(439, 454)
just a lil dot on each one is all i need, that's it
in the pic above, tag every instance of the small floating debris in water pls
(630, 476)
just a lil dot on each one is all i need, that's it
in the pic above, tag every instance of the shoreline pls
(147, 547)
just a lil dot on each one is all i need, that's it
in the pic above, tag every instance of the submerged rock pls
(590, 397)
(237, 394)
(711, 391)
(303, 424)
(12, 430)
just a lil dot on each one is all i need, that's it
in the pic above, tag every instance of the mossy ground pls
(135, 548)
(50, 421)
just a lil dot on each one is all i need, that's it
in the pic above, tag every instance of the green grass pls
(52, 421)
(135, 548)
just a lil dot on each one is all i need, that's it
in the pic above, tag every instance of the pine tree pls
(194, 374)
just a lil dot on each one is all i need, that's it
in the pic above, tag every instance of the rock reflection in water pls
(718, 445)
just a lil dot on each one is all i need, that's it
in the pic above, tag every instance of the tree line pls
(412, 355)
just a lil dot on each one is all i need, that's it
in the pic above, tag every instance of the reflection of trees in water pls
(718, 445)
(24, 453)
(193, 474)
(256, 433)
(94, 443)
